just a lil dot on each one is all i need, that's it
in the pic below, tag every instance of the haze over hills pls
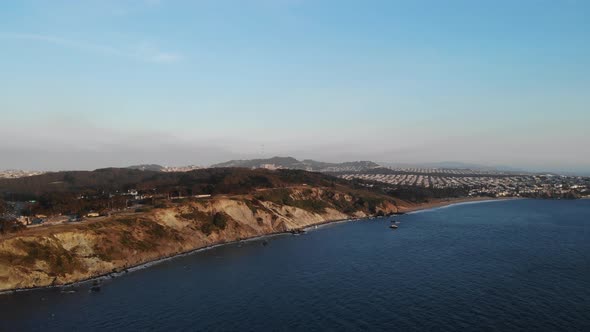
(278, 162)
(270, 163)
(136, 131)
(320, 166)
(292, 163)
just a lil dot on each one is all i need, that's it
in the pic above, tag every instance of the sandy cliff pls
(62, 254)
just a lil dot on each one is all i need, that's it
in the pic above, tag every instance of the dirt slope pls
(64, 254)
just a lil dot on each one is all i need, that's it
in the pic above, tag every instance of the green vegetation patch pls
(312, 205)
(280, 196)
(283, 197)
(196, 215)
(217, 222)
(59, 260)
(252, 205)
(129, 241)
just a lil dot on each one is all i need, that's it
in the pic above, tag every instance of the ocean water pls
(519, 265)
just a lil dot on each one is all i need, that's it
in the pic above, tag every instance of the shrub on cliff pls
(59, 260)
(10, 226)
(283, 197)
(220, 220)
(312, 205)
(213, 223)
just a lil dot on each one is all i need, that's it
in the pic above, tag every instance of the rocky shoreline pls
(112, 275)
(223, 241)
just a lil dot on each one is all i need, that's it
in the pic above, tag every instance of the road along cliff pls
(63, 254)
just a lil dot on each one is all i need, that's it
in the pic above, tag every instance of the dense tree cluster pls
(107, 189)
(69, 203)
(422, 194)
(8, 224)
(116, 180)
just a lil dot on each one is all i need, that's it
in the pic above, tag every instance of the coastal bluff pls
(63, 254)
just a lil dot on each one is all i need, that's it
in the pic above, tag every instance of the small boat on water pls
(393, 226)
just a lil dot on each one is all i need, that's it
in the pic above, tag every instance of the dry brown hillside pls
(61, 254)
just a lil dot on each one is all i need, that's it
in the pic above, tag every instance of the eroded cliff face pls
(57, 255)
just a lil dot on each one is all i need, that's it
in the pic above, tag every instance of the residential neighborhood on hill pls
(479, 182)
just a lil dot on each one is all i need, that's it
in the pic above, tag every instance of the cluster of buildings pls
(482, 183)
(450, 171)
(180, 168)
(438, 181)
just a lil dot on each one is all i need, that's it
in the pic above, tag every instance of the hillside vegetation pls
(292, 163)
(61, 254)
(209, 181)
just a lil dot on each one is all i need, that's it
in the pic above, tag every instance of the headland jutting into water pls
(173, 220)
(129, 264)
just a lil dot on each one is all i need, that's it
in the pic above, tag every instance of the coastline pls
(111, 275)
(138, 267)
(451, 202)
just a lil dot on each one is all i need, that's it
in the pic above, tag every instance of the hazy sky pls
(87, 84)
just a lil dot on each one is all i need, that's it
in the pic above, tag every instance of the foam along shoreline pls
(145, 265)
(461, 202)
(454, 202)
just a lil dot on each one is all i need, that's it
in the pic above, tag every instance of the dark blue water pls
(495, 266)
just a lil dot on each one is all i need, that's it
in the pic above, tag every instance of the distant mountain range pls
(292, 163)
(319, 166)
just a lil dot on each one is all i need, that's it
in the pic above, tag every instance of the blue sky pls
(89, 84)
